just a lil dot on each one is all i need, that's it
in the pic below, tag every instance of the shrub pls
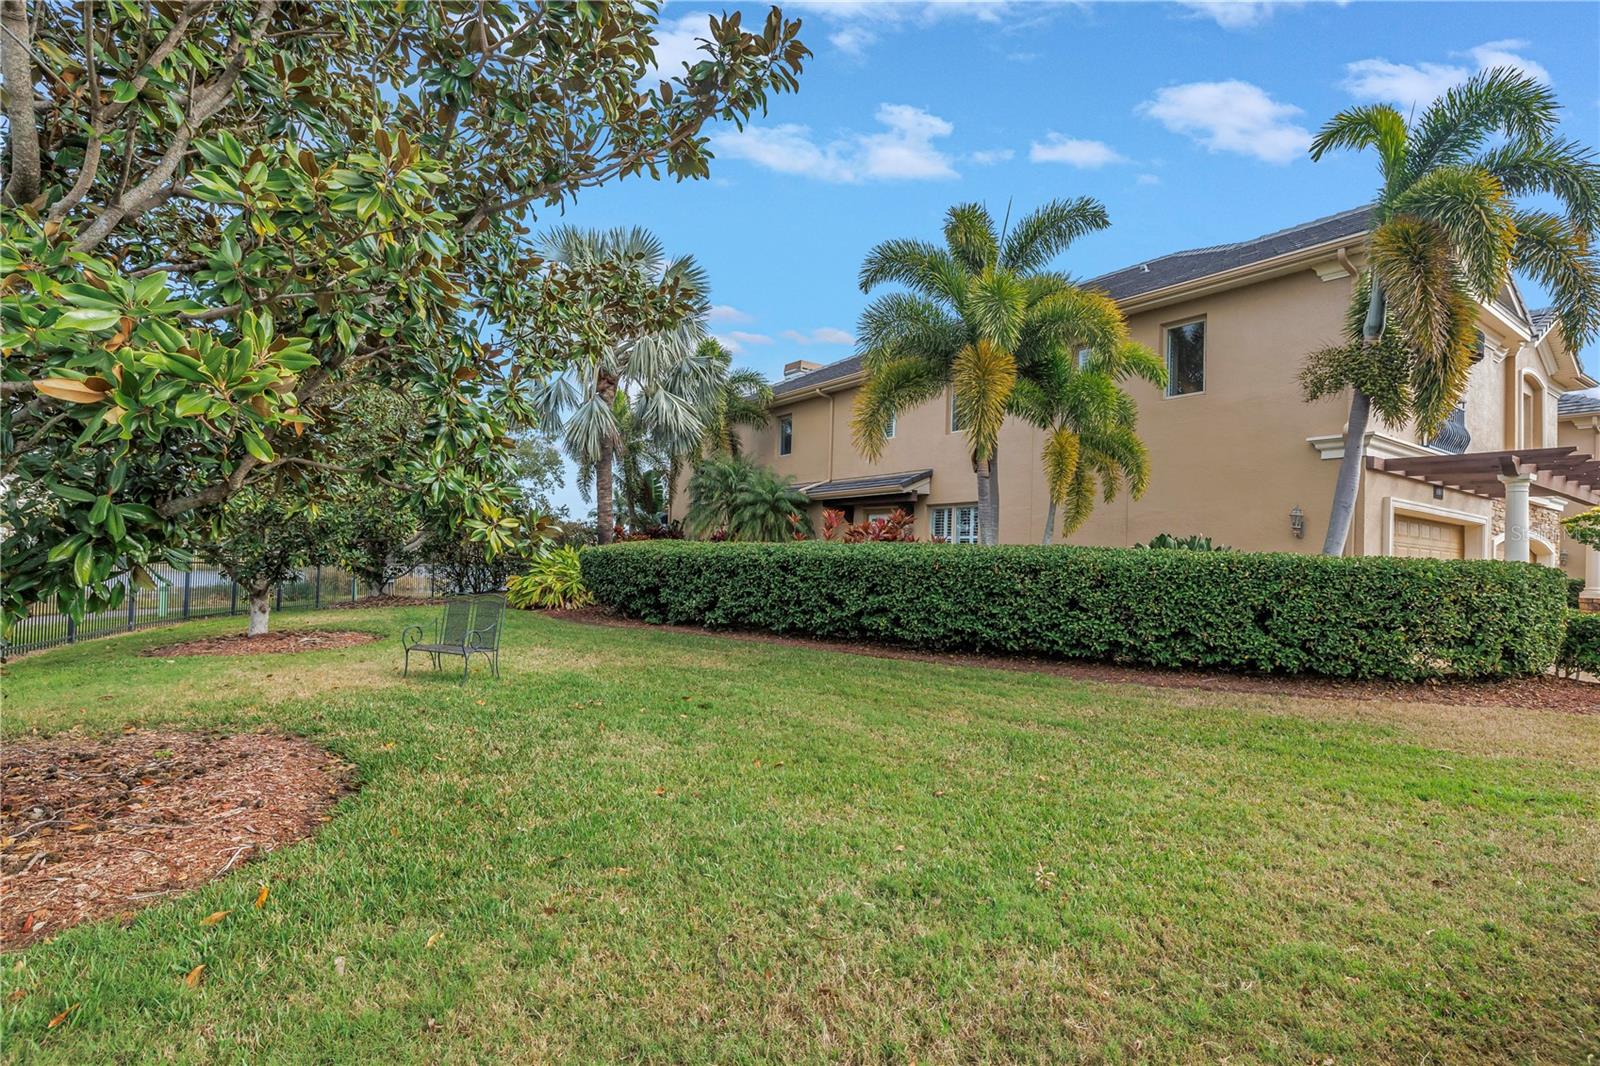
(897, 527)
(1575, 588)
(554, 581)
(1193, 543)
(1580, 651)
(1356, 617)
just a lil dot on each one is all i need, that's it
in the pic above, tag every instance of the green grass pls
(648, 846)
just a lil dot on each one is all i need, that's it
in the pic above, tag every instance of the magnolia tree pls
(262, 540)
(222, 218)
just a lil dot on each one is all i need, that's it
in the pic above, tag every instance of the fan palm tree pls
(662, 378)
(1089, 424)
(972, 316)
(1446, 232)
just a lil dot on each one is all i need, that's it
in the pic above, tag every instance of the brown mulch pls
(292, 640)
(91, 828)
(383, 601)
(1545, 693)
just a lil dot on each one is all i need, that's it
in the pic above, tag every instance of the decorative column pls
(1517, 517)
(1589, 600)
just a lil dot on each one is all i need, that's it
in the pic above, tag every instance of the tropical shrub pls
(1575, 587)
(1580, 649)
(897, 527)
(554, 581)
(1361, 617)
(1193, 543)
(734, 499)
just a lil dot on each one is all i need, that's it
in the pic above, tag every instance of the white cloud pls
(677, 44)
(1231, 116)
(725, 313)
(1235, 14)
(852, 39)
(1086, 155)
(1147, 179)
(820, 335)
(857, 24)
(739, 336)
(990, 156)
(904, 151)
(1414, 86)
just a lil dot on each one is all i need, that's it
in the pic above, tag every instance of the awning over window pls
(907, 484)
(1564, 472)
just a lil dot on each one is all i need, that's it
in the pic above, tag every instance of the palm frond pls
(1374, 126)
(1060, 459)
(1414, 260)
(1473, 211)
(970, 237)
(1078, 503)
(899, 325)
(1560, 168)
(1558, 255)
(996, 309)
(1501, 100)
(892, 386)
(982, 378)
(1050, 230)
(899, 260)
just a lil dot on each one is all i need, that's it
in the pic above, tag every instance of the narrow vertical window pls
(785, 435)
(888, 431)
(955, 415)
(1186, 358)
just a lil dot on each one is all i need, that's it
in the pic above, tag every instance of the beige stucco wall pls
(1582, 433)
(1229, 463)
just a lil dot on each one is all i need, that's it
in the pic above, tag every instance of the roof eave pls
(1247, 274)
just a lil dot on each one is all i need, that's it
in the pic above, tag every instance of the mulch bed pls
(382, 601)
(293, 640)
(91, 828)
(1533, 693)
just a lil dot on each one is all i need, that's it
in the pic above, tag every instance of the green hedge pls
(1361, 617)
(1581, 648)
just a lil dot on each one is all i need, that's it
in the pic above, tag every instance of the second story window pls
(1186, 358)
(785, 435)
(955, 415)
(888, 431)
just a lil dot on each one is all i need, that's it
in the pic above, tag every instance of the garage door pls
(1429, 539)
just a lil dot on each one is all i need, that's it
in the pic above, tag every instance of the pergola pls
(1510, 475)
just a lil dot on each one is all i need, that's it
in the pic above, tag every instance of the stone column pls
(1517, 517)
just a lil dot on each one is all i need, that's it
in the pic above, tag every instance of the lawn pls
(651, 846)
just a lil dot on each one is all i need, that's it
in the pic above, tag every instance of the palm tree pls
(973, 316)
(1446, 233)
(661, 378)
(743, 501)
(1089, 422)
(740, 398)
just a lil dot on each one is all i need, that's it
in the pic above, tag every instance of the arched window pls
(1531, 429)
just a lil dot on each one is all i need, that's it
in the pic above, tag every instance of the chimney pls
(798, 367)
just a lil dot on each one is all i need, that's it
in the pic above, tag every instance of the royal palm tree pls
(971, 317)
(662, 378)
(1089, 424)
(1446, 232)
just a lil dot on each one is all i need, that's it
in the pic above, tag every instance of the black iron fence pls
(202, 592)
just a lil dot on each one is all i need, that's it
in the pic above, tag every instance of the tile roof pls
(1579, 403)
(1156, 274)
(1198, 263)
(1541, 321)
(876, 484)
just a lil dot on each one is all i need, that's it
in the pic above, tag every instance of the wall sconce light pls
(1438, 492)
(1297, 521)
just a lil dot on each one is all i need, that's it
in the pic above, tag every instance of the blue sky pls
(1189, 121)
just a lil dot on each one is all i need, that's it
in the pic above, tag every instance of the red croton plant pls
(896, 527)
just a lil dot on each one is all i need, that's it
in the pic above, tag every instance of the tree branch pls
(205, 101)
(16, 67)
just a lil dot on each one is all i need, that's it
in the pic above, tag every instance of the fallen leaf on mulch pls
(281, 643)
(167, 812)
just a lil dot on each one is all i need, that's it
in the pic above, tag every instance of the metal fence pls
(179, 595)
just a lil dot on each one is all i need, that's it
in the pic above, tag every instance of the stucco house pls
(1235, 452)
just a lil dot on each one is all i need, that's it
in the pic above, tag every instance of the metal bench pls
(467, 626)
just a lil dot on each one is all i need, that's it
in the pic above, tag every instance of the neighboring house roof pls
(1541, 321)
(1579, 403)
(875, 485)
(821, 376)
(1196, 263)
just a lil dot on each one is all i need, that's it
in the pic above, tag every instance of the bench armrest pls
(404, 643)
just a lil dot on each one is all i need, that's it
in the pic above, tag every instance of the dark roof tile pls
(1579, 403)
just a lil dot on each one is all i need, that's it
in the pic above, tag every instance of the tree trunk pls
(604, 511)
(984, 489)
(22, 141)
(260, 604)
(991, 534)
(1348, 484)
(1049, 523)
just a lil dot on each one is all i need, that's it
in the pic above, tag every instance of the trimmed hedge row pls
(1360, 617)
(1581, 649)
